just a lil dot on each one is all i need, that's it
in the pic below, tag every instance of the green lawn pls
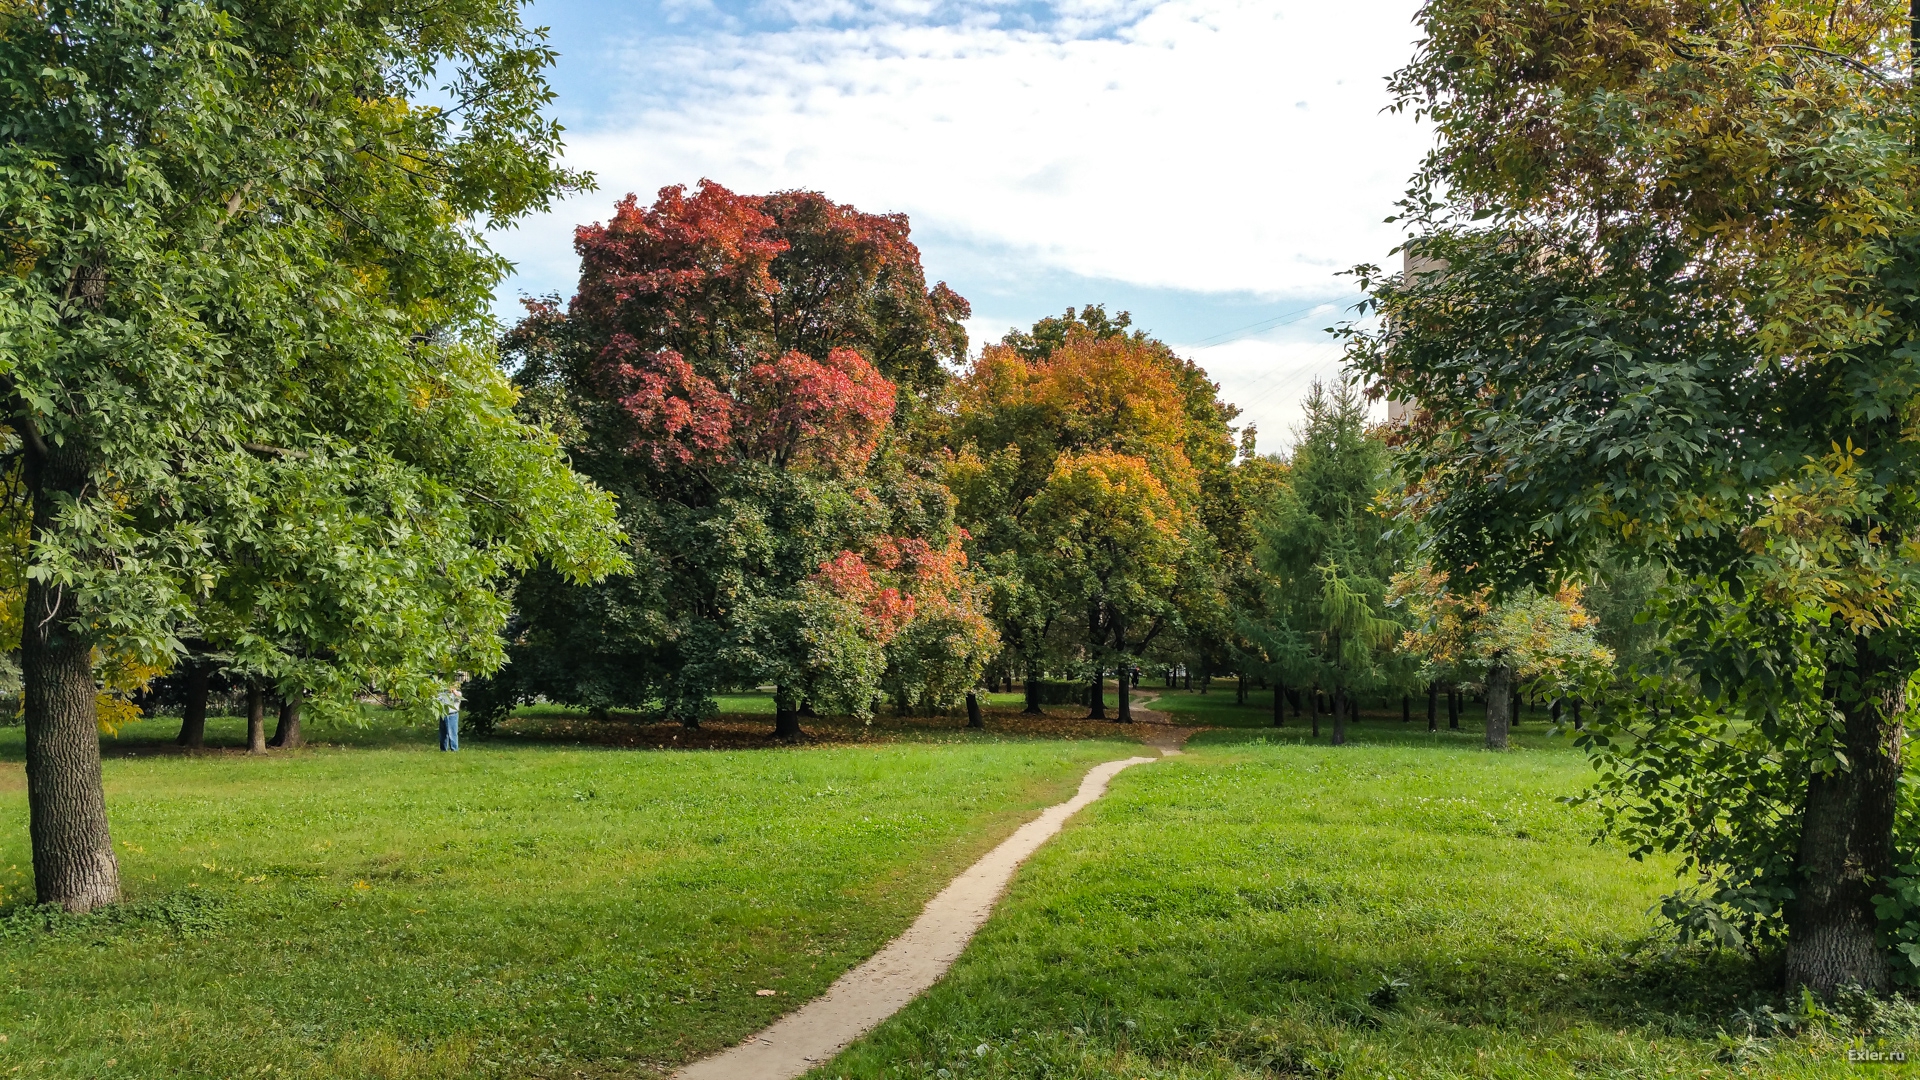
(516, 910)
(1403, 907)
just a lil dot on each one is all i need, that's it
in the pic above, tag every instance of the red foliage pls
(799, 411)
(885, 608)
(679, 418)
(680, 270)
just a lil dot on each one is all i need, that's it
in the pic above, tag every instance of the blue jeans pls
(450, 731)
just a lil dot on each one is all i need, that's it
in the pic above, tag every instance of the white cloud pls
(1268, 379)
(1210, 145)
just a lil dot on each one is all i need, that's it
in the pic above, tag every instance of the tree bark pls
(973, 711)
(1433, 706)
(193, 714)
(786, 715)
(1279, 706)
(1846, 835)
(1313, 706)
(1293, 698)
(1339, 716)
(1499, 704)
(287, 732)
(1453, 709)
(1033, 697)
(1406, 708)
(256, 718)
(1097, 696)
(73, 863)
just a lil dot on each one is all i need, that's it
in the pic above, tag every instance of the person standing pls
(449, 701)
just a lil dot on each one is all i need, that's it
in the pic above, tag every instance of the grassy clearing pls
(518, 909)
(1266, 908)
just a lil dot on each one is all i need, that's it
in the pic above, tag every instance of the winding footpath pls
(859, 1000)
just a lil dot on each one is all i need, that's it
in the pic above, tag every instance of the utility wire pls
(1270, 323)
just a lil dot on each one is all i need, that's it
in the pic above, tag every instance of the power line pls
(1270, 323)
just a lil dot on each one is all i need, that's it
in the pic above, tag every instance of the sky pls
(1210, 166)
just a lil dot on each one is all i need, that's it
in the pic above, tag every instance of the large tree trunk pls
(1453, 709)
(1033, 697)
(256, 718)
(193, 715)
(1499, 705)
(1124, 714)
(1846, 836)
(1433, 706)
(973, 711)
(1097, 696)
(1406, 708)
(73, 863)
(1279, 706)
(1339, 716)
(287, 732)
(786, 715)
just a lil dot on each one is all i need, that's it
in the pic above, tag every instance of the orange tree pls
(1094, 470)
(1672, 314)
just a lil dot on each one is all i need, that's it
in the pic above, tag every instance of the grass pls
(540, 906)
(1403, 907)
(376, 909)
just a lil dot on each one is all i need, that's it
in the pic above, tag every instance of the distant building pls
(1400, 412)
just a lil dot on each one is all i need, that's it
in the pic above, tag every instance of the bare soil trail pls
(859, 1000)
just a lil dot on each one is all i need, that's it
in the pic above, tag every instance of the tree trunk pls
(1499, 702)
(1339, 716)
(973, 711)
(1453, 709)
(1578, 724)
(1097, 696)
(1187, 679)
(1124, 714)
(1406, 708)
(1433, 706)
(1033, 697)
(1240, 690)
(256, 718)
(287, 732)
(73, 863)
(1846, 835)
(193, 714)
(786, 715)
(1293, 698)
(1313, 706)
(1279, 706)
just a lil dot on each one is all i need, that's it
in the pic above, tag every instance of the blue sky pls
(1208, 165)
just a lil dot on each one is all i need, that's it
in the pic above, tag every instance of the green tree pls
(1327, 554)
(1670, 310)
(241, 346)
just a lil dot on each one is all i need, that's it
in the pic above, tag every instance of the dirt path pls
(915, 960)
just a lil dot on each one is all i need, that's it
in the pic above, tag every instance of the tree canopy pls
(1667, 313)
(735, 368)
(247, 361)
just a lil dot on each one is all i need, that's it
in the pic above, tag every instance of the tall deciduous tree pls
(238, 342)
(1094, 471)
(735, 367)
(1677, 315)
